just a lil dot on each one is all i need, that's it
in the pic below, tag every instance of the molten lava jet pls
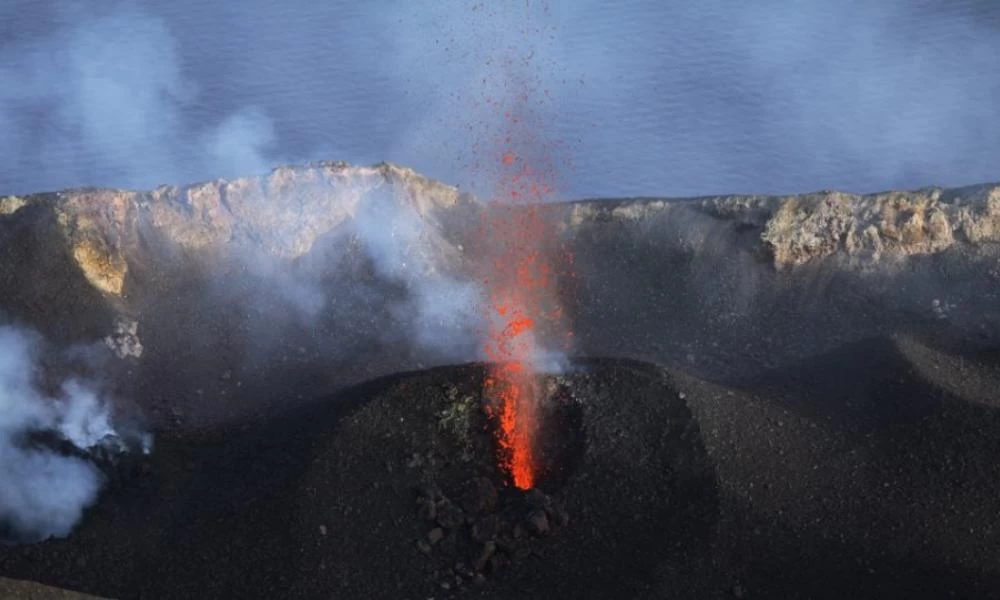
(522, 315)
(521, 302)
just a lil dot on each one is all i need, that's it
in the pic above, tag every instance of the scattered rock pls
(520, 553)
(502, 528)
(486, 528)
(449, 516)
(538, 522)
(426, 509)
(485, 554)
(535, 498)
(559, 515)
(429, 490)
(124, 339)
(480, 496)
(435, 535)
(463, 569)
(942, 310)
(506, 544)
(497, 563)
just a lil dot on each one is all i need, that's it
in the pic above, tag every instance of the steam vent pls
(329, 382)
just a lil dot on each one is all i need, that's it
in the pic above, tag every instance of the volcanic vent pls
(619, 467)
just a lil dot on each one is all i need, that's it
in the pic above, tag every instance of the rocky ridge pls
(799, 229)
(282, 213)
(166, 277)
(286, 211)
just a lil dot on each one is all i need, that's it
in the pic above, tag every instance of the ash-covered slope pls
(317, 276)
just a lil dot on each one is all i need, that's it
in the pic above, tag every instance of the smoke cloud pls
(653, 98)
(102, 98)
(43, 492)
(419, 297)
(439, 311)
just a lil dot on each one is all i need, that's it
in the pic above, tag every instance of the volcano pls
(320, 513)
(764, 397)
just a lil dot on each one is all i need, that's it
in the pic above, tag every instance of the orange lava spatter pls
(521, 264)
(522, 301)
(511, 386)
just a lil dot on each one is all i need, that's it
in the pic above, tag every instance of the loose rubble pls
(483, 530)
(124, 340)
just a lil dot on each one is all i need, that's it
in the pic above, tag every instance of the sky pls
(648, 97)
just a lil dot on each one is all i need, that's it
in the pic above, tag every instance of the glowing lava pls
(522, 315)
(510, 384)
(522, 301)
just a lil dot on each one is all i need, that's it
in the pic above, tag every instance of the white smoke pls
(105, 95)
(704, 97)
(43, 493)
(440, 311)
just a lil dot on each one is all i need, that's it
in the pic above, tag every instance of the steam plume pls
(650, 98)
(43, 492)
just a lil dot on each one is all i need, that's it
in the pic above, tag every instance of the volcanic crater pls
(798, 397)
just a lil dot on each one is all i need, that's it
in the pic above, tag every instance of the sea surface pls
(646, 97)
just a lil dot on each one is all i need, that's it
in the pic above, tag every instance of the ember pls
(521, 316)
(522, 304)
(519, 292)
(510, 385)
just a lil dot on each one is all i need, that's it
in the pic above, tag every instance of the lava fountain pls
(521, 315)
(522, 309)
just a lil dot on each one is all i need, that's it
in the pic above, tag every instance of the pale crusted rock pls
(281, 214)
(285, 212)
(11, 204)
(795, 230)
(874, 227)
(978, 217)
(124, 340)
(105, 269)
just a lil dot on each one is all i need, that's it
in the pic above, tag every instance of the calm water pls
(643, 97)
